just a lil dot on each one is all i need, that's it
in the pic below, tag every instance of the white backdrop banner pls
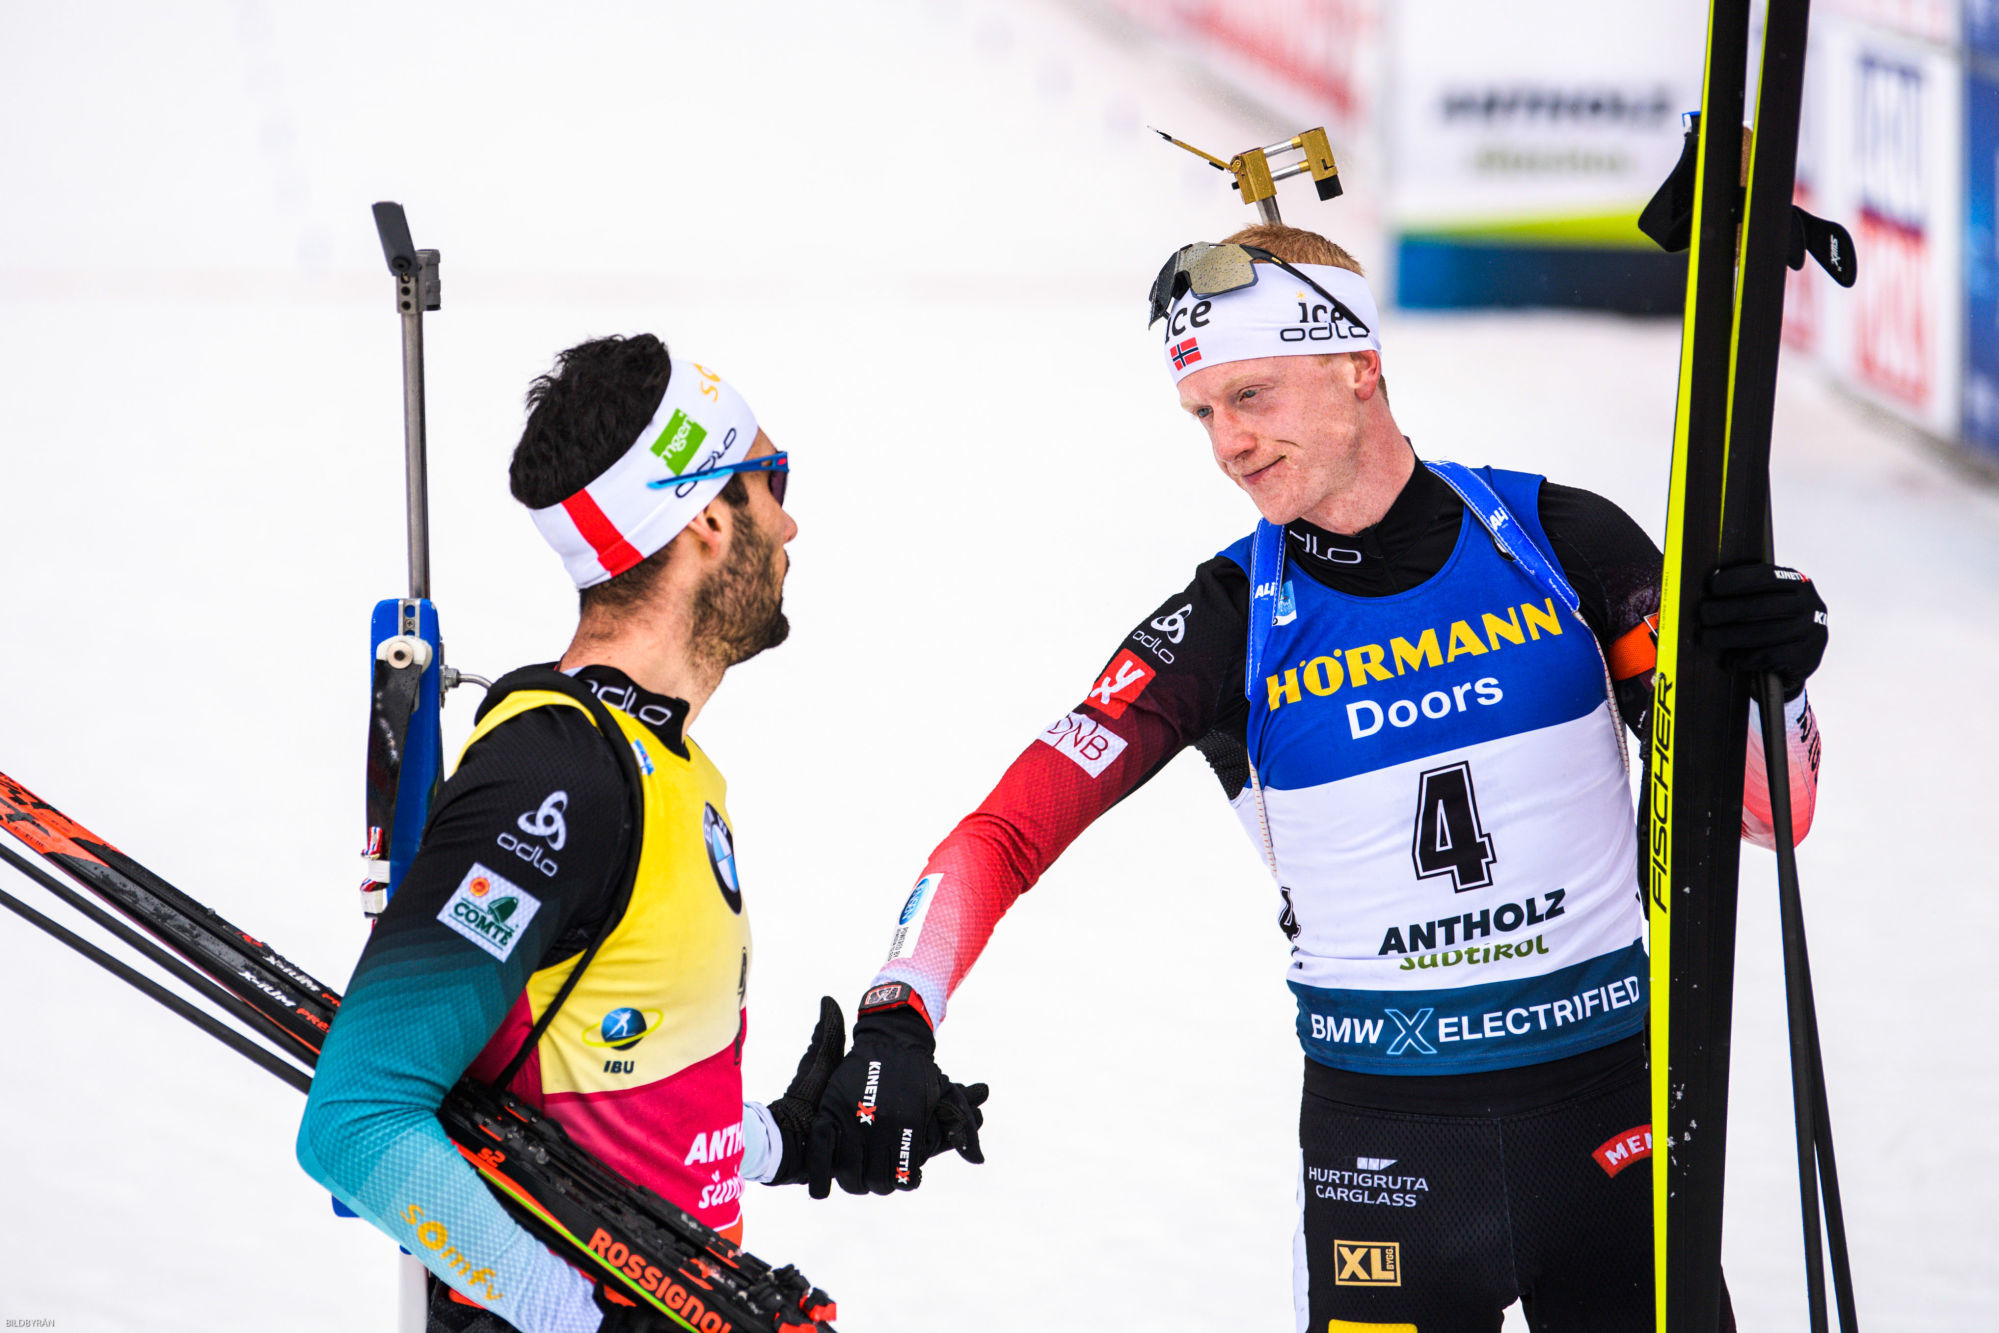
(1555, 126)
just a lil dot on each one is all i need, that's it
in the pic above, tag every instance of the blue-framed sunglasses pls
(777, 465)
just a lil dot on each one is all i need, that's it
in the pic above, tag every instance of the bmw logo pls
(722, 857)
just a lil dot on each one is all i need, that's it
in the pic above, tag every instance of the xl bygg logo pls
(1122, 682)
(1367, 1263)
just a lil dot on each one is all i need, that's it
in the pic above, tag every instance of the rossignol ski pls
(659, 1256)
(1718, 514)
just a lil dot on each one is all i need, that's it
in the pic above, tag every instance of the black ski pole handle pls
(397, 248)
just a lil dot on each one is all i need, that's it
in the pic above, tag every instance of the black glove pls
(888, 1108)
(794, 1111)
(1765, 618)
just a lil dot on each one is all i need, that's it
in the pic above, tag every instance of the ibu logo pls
(490, 910)
(677, 443)
(622, 1029)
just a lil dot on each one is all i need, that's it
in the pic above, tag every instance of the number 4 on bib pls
(1449, 838)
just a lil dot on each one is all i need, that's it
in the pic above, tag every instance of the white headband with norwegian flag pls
(622, 517)
(1277, 316)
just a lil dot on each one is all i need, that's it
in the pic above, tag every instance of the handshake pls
(871, 1120)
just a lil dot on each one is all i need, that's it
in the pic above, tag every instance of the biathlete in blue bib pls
(1417, 683)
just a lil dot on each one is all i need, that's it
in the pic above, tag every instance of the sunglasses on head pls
(776, 467)
(1210, 270)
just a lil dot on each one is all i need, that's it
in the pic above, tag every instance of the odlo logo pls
(865, 1112)
(902, 1162)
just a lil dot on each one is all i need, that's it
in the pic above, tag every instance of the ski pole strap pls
(1507, 534)
(547, 678)
(1266, 596)
(394, 700)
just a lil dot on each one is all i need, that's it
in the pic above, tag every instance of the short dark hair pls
(582, 417)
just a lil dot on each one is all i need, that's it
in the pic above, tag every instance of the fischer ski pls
(659, 1256)
(1730, 185)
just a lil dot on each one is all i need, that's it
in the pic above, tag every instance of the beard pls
(739, 609)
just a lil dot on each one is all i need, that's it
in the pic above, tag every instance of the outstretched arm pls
(1171, 682)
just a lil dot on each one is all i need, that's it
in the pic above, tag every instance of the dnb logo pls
(623, 1029)
(722, 857)
(1367, 1263)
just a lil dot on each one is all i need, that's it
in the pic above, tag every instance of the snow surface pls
(917, 235)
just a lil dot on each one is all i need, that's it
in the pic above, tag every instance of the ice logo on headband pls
(1319, 321)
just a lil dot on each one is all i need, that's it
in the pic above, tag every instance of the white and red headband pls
(1276, 316)
(623, 516)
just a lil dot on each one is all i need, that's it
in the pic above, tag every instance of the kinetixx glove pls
(1765, 618)
(888, 1108)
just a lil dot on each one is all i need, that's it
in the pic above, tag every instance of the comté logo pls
(1122, 682)
(1625, 1149)
(1367, 1263)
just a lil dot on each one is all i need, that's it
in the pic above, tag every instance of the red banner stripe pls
(614, 553)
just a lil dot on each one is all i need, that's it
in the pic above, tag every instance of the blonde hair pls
(1295, 245)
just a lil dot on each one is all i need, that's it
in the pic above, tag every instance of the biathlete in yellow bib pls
(573, 926)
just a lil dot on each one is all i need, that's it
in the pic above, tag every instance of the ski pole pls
(1804, 1066)
(1835, 1216)
(222, 1032)
(1818, 1174)
(233, 1005)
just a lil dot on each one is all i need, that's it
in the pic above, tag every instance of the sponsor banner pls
(1317, 56)
(1932, 20)
(1469, 1029)
(1981, 27)
(1981, 254)
(1885, 120)
(1522, 152)
(1556, 130)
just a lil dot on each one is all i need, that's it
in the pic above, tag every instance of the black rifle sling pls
(547, 678)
